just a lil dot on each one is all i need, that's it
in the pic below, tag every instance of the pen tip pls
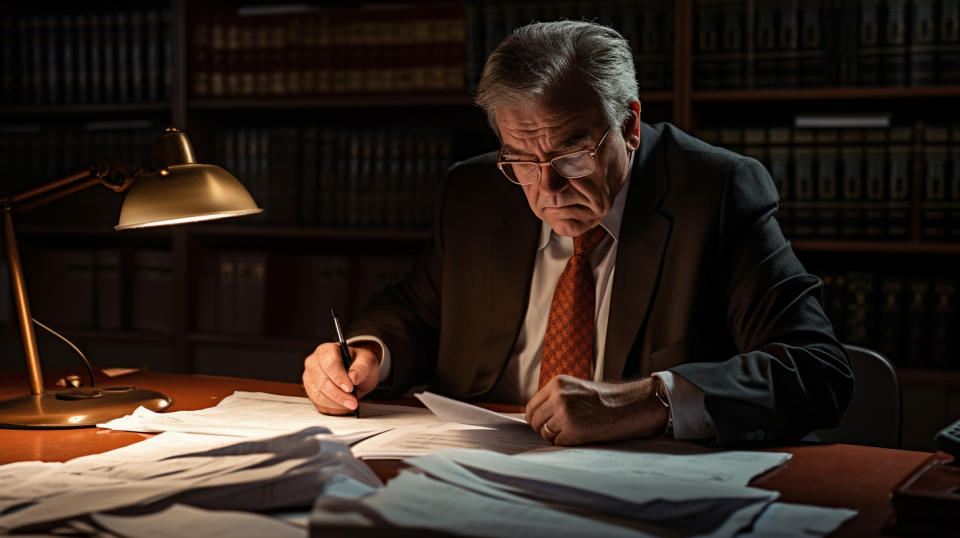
(332, 313)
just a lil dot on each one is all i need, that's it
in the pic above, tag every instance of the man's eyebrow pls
(571, 141)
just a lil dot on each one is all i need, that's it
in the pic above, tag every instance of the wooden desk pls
(838, 475)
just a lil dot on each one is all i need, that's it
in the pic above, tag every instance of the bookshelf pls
(668, 42)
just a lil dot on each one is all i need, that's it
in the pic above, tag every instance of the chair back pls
(874, 416)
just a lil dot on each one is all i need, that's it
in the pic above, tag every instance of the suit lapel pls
(644, 233)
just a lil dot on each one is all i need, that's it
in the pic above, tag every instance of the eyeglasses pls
(571, 166)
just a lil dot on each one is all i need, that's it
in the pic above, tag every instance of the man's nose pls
(551, 182)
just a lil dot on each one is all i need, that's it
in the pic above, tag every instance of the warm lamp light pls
(171, 188)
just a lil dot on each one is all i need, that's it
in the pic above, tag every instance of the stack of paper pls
(253, 414)
(256, 474)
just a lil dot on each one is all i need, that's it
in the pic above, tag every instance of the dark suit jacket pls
(705, 286)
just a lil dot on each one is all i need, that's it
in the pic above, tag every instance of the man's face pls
(542, 132)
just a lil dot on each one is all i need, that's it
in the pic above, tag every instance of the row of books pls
(86, 57)
(912, 320)
(788, 43)
(856, 183)
(254, 293)
(85, 288)
(367, 49)
(647, 25)
(336, 177)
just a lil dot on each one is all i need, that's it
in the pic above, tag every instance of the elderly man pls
(621, 280)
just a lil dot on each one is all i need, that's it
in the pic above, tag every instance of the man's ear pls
(631, 127)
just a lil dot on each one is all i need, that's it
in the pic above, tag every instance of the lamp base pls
(77, 408)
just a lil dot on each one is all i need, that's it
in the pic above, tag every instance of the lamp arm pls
(112, 174)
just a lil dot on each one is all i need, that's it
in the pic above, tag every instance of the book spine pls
(81, 44)
(918, 323)
(900, 182)
(154, 73)
(948, 48)
(943, 347)
(804, 189)
(309, 147)
(923, 43)
(122, 74)
(166, 39)
(852, 193)
(811, 61)
(68, 58)
(53, 33)
(788, 40)
(228, 293)
(875, 192)
(108, 281)
(936, 223)
(828, 194)
(892, 319)
(706, 73)
(137, 34)
(868, 54)
(893, 56)
(108, 42)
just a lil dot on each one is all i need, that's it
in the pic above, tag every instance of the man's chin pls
(570, 227)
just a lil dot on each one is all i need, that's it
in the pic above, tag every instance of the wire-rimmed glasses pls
(573, 165)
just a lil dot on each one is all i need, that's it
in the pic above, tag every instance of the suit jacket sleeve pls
(790, 375)
(406, 315)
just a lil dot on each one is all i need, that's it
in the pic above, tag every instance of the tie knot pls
(584, 243)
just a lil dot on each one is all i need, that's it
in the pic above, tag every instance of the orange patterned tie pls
(568, 342)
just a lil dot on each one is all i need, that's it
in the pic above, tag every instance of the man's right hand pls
(330, 387)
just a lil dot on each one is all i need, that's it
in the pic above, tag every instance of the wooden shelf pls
(82, 110)
(851, 93)
(217, 339)
(275, 103)
(91, 231)
(874, 247)
(296, 232)
(922, 377)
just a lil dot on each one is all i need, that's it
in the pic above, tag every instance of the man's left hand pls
(572, 411)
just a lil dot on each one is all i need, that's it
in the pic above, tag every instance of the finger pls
(547, 432)
(550, 412)
(331, 362)
(335, 393)
(326, 405)
(365, 370)
(536, 401)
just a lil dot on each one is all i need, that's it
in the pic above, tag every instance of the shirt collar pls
(610, 222)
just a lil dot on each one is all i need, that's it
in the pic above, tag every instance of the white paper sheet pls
(249, 474)
(785, 520)
(417, 501)
(182, 520)
(257, 414)
(665, 459)
(416, 441)
(452, 410)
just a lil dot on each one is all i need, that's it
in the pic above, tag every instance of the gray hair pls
(537, 60)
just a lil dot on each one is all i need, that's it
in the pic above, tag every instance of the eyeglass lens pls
(571, 166)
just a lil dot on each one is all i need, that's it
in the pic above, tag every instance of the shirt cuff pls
(384, 354)
(690, 417)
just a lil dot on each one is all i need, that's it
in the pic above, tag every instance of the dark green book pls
(893, 45)
(923, 43)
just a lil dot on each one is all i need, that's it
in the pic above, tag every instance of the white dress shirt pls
(520, 379)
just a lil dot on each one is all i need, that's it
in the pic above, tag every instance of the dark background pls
(342, 120)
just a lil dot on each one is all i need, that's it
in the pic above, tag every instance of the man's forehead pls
(559, 129)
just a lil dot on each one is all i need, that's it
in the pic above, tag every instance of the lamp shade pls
(184, 193)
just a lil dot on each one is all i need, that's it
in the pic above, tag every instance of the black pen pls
(345, 355)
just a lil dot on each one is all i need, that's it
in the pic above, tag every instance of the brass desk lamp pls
(171, 188)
